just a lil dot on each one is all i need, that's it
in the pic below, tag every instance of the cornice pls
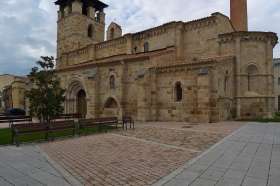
(249, 36)
(116, 59)
(199, 23)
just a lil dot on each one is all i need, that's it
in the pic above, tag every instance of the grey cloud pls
(28, 27)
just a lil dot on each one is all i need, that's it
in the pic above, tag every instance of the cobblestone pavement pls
(27, 166)
(249, 157)
(139, 157)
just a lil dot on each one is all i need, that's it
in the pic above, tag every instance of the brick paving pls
(197, 137)
(115, 160)
(197, 141)
(135, 157)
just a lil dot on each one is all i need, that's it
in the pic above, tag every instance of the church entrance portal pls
(82, 103)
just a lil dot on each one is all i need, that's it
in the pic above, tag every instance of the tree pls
(46, 96)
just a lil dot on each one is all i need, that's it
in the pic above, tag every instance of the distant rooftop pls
(276, 61)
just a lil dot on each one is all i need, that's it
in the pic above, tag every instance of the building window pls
(97, 16)
(146, 47)
(178, 92)
(111, 103)
(112, 82)
(85, 10)
(90, 31)
(278, 80)
(70, 8)
(252, 70)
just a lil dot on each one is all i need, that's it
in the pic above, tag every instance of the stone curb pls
(66, 175)
(175, 173)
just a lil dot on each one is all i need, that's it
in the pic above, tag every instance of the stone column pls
(129, 44)
(238, 76)
(154, 91)
(123, 89)
(91, 12)
(97, 99)
(143, 98)
(269, 79)
(179, 41)
(203, 97)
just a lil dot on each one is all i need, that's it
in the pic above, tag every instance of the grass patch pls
(274, 119)
(6, 135)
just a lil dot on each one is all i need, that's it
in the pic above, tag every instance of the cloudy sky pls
(28, 27)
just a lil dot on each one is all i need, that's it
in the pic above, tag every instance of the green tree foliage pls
(46, 96)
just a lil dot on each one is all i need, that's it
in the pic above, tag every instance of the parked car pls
(16, 112)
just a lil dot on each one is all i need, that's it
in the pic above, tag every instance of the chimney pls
(238, 14)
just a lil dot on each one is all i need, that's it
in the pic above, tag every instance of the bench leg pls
(17, 141)
(13, 137)
(106, 128)
(47, 136)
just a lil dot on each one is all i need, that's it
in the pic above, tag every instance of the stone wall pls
(207, 59)
(254, 74)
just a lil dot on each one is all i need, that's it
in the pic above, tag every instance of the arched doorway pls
(76, 99)
(82, 103)
(111, 108)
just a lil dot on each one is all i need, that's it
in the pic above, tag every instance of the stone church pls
(205, 70)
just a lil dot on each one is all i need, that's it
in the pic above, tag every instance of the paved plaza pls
(249, 157)
(158, 154)
(135, 157)
(27, 165)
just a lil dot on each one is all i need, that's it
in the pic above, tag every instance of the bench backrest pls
(29, 127)
(15, 119)
(67, 116)
(106, 120)
(68, 124)
(96, 121)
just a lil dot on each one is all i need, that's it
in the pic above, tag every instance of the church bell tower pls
(80, 23)
(239, 15)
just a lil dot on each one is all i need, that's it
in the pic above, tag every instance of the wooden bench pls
(98, 122)
(62, 126)
(128, 120)
(24, 129)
